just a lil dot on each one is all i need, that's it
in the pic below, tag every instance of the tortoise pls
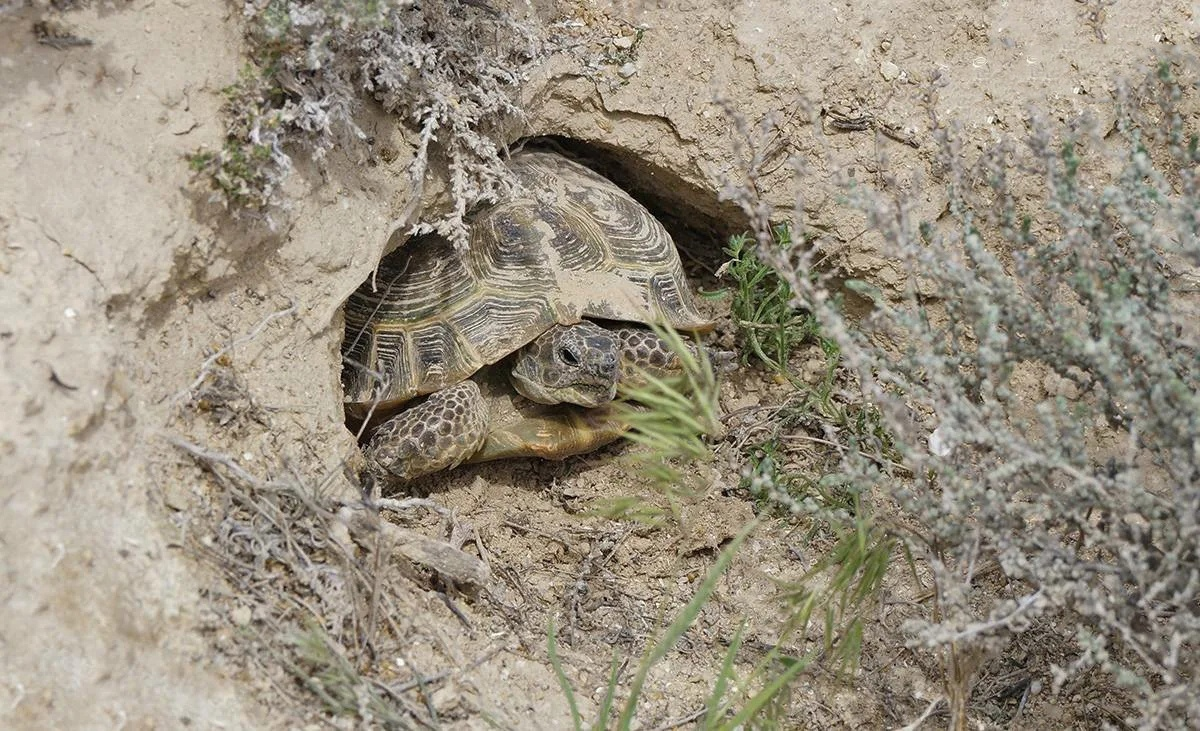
(517, 342)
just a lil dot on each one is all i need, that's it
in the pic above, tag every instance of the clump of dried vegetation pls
(1035, 445)
(318, 587)
(448, 70)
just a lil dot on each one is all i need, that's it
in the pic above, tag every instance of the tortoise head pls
(575, 364)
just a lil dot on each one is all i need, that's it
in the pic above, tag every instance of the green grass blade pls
(687, 616)
(610, 693)
(563, 681)
(720, 687)
(768, 693)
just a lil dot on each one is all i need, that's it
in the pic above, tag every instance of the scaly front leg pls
(439, 433)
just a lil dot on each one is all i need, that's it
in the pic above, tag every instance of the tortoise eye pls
(568, 356)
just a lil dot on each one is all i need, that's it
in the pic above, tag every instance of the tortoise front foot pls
(437, 434)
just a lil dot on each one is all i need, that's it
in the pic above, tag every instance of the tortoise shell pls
(569, 245)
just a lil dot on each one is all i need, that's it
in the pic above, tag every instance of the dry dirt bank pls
(116, 284)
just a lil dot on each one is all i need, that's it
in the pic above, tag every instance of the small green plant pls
(841, 588)
(621, 56)
(763, 305)
(833, 420)
(766, 466)
(241, 172)
(248, 168)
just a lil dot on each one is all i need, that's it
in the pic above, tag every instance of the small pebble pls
(940, 444)
(176, 497)
(1056, 385)
(745, 402)
(241, 616)
(814, 369)
(446, 698)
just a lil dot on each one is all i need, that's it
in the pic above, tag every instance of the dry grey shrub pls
(449, 69)
(1040, 377)
(317, 615)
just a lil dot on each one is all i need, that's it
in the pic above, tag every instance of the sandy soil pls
(118, 281)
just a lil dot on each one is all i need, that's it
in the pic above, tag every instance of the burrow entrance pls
(697, 221)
